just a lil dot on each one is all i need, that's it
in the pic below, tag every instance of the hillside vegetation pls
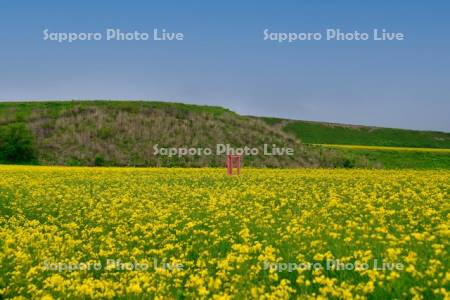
(123, 133)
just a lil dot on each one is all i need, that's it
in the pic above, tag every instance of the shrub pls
(99, 161)
(16, 144)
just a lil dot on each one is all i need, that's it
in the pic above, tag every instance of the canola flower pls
(87, 233)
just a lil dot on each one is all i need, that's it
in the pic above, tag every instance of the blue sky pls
(223, 59)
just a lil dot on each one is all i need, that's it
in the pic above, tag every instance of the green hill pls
(124, 133)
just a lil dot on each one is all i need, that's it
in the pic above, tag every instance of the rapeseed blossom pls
(197, 233)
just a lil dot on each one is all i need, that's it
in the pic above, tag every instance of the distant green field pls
(397, 157)
(386, 148)
(326, 133)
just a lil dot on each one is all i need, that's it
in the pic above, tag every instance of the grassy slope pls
(10, 111)
(327, 133)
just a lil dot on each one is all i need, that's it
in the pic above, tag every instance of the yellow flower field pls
(196, 233)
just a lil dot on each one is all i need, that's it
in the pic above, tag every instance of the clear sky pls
(224, 59)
